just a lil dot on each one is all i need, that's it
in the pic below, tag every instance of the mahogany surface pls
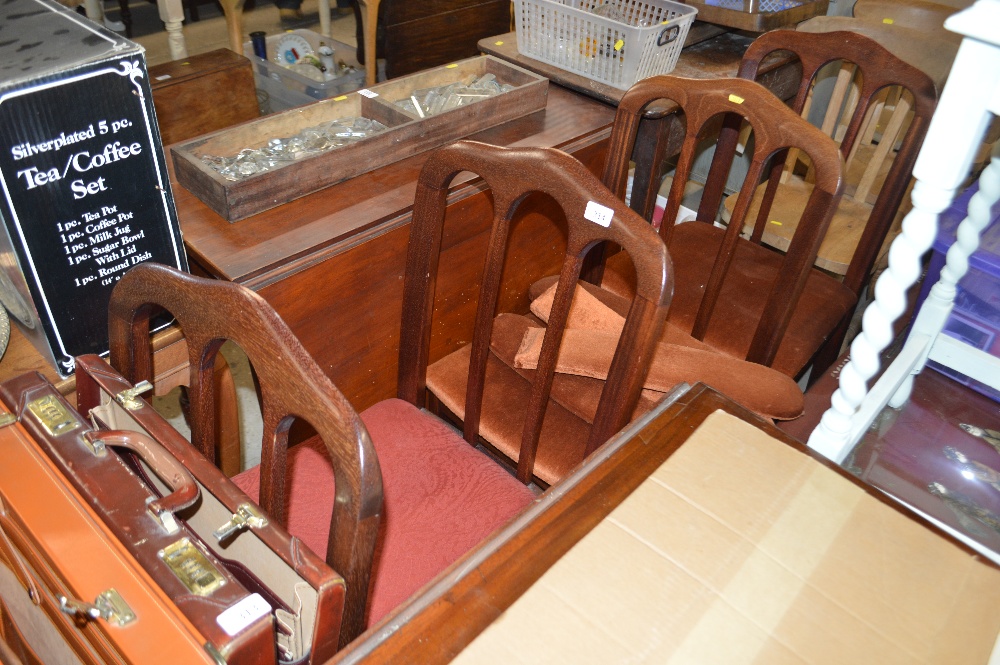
(186, 94)
(418, 35)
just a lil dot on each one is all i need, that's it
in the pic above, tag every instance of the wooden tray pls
(406, 135)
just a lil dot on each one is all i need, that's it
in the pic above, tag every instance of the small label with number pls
(367, 93)
(599, 214)
(242, 614)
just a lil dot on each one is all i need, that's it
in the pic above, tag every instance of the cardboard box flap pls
(740, 549)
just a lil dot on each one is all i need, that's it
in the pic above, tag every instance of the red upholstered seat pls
(389, 498)
(402, 496)
(442, 497)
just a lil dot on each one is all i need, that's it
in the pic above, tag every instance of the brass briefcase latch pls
(128, 398)
(109, 606)
(246, 516)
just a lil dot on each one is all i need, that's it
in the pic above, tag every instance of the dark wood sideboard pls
(412, 36)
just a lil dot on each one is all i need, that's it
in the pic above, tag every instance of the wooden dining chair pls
(507, 408)
(390, 497)
(732, 293)
(878, 112)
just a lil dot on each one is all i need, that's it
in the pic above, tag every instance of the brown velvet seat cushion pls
(564, 434)
(823, 304)
(592, 332)
(442, 498)
(693, 248)
(589, 353)
(574, 397)
(594, 308)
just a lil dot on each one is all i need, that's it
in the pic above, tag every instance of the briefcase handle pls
(183, 488)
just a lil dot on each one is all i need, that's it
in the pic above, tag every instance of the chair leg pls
(830, 351)
(233, 10)
(126, 15)
(370, 23)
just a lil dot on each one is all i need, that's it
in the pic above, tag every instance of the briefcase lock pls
(53, 415)
(109, 606)
(192, 567)
(129, 398)
(246, 516)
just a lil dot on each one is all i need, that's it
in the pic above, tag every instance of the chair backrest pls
(593, 216)
(210, 312)
(775, 129)
(870, 77)
(931, 52)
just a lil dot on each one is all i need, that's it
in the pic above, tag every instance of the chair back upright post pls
(775, 128)
(879, 70)
(513, 174)
(291, 386)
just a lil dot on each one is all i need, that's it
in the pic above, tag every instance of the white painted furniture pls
(970, 99)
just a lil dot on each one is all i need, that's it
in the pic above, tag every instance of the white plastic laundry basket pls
(623, 42)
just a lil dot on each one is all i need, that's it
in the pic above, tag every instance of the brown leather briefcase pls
(258, 595)
(70, 592)
(306, 595)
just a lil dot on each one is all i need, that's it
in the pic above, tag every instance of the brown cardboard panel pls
(740, 549)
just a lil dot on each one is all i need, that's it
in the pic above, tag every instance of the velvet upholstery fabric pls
(589, 353)
(589, 344)
(593, 308)
(823, 303)
(693, 248)
(564, 434)
(577, 393)
(442, 498)
(574, 397)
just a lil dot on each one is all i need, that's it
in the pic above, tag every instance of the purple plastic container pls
(976, 317)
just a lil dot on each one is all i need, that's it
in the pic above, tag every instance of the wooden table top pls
(22, 357)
